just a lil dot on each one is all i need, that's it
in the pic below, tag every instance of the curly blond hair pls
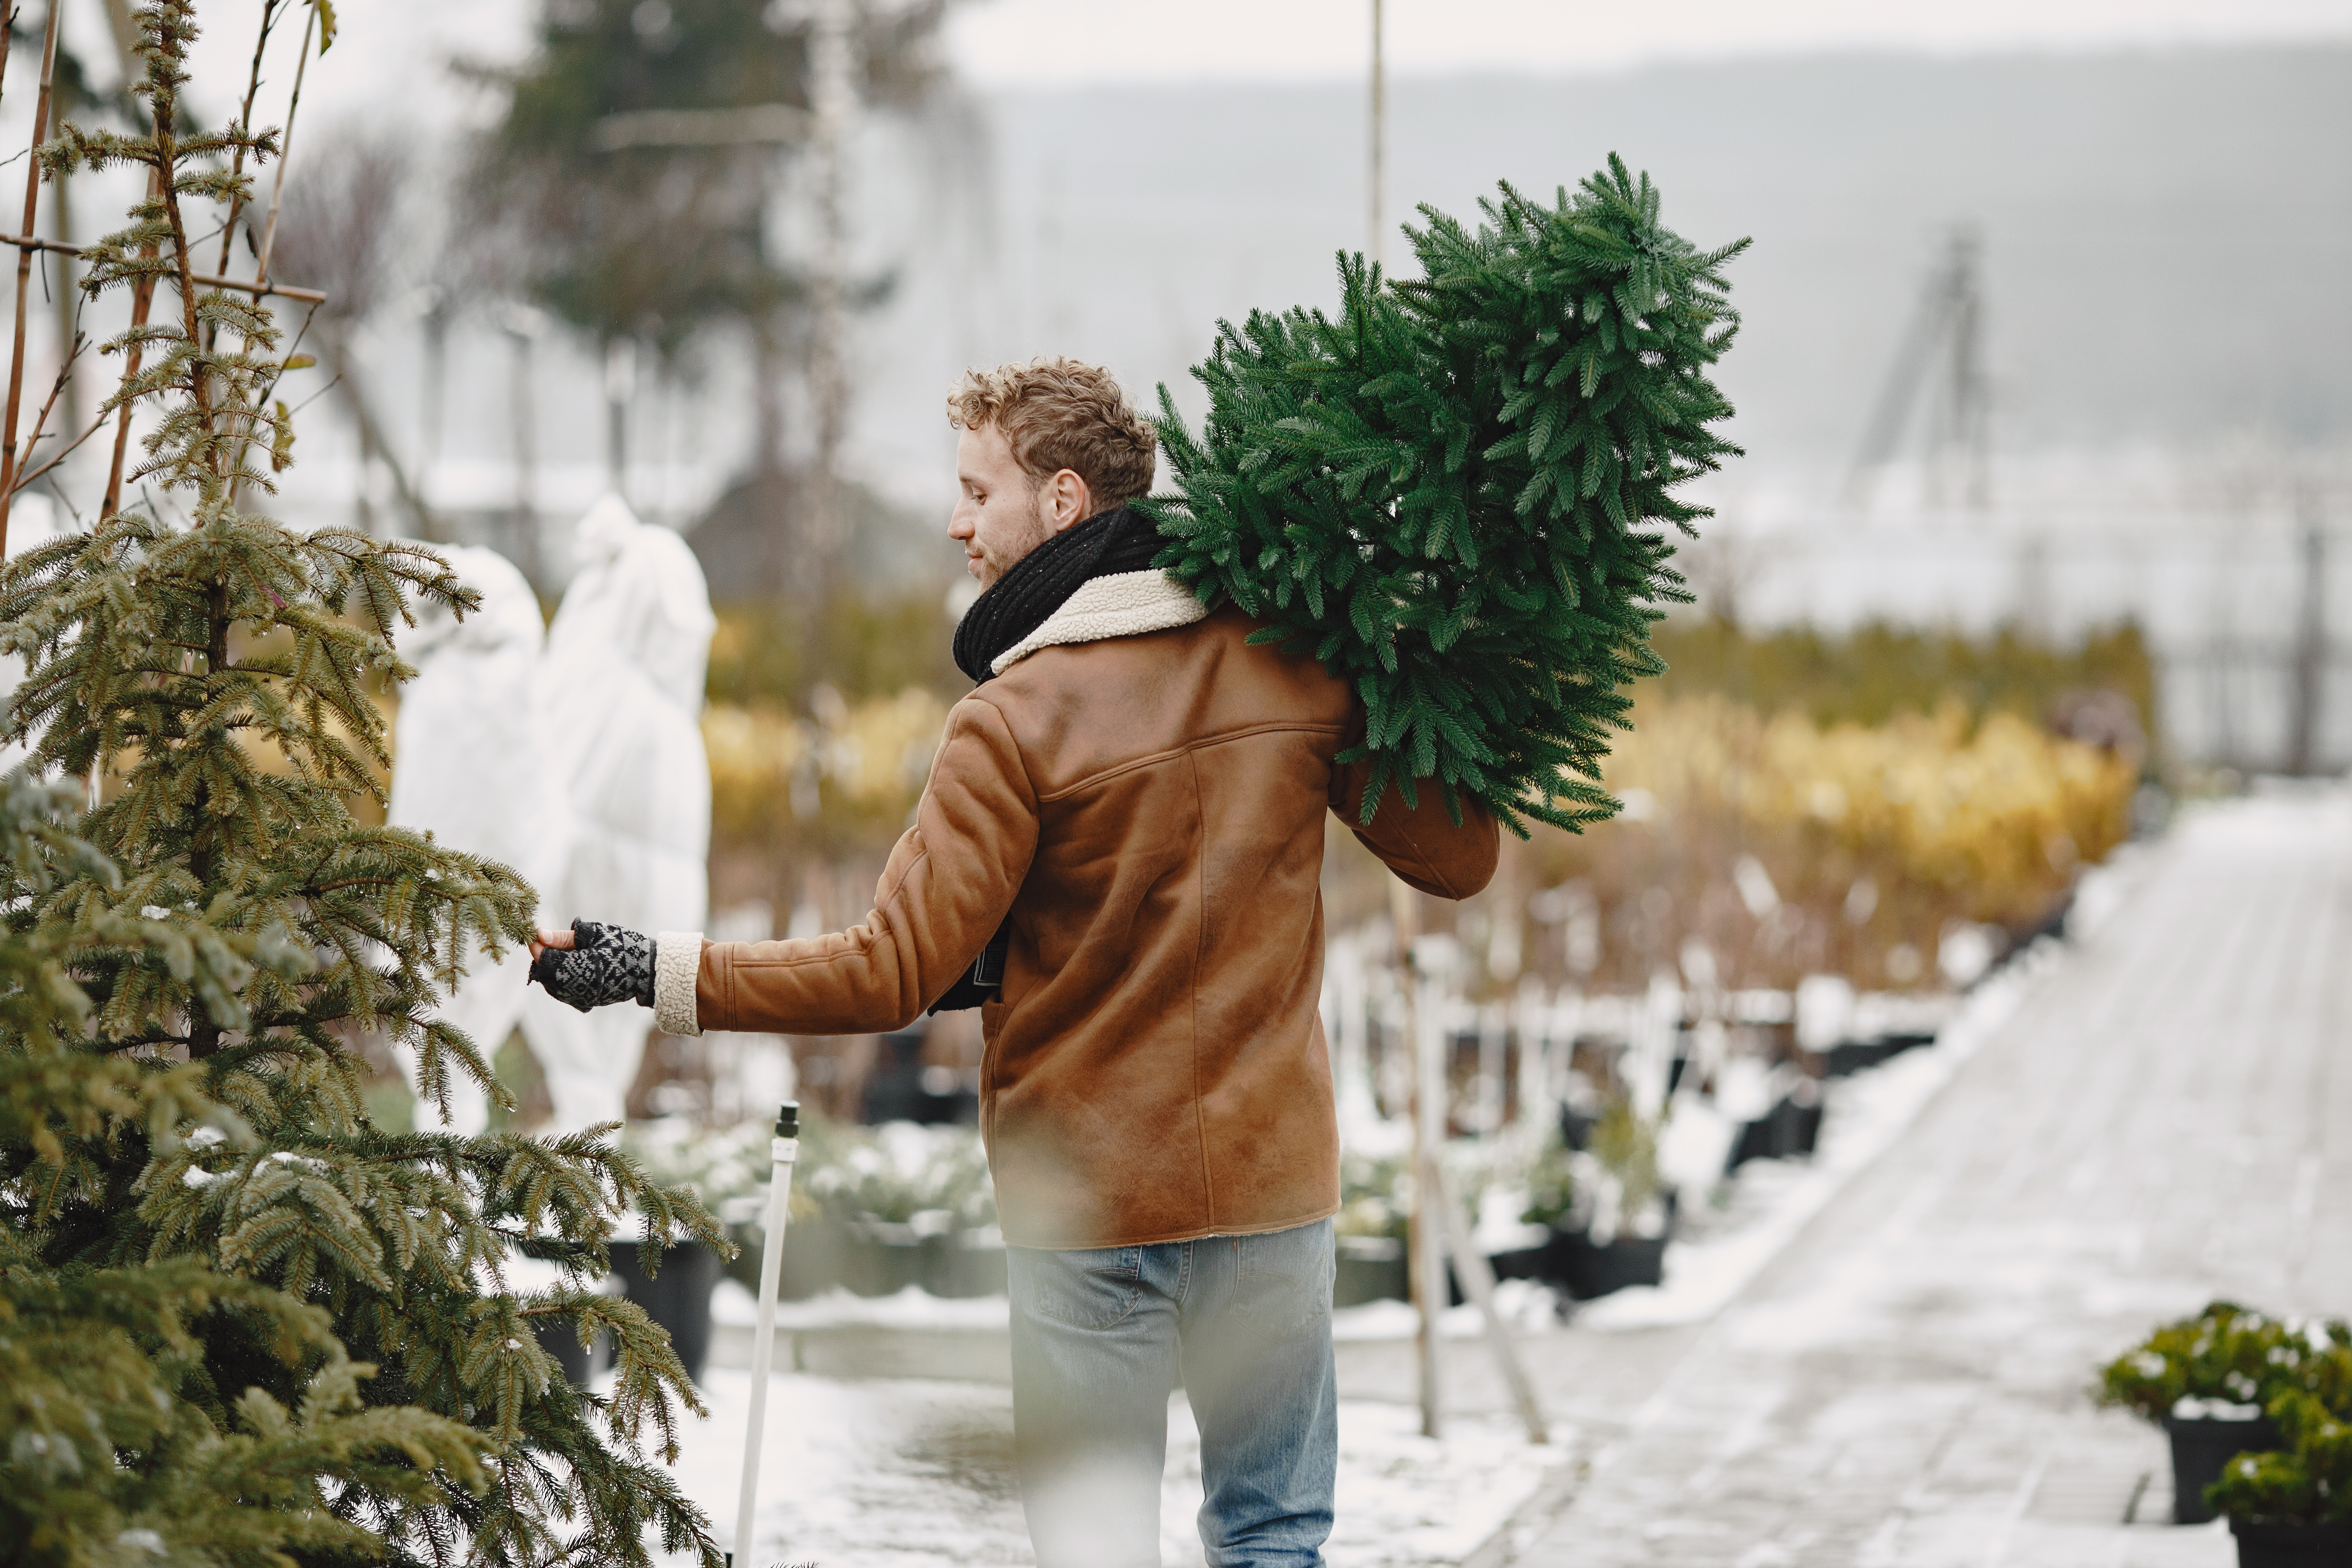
(1060, 414)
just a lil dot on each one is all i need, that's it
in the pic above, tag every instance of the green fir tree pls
(120, 1444)
(1458, 494)
(212, 1208)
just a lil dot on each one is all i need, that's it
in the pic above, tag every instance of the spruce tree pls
(120, 1444)
(234, 929)
(1457, 493)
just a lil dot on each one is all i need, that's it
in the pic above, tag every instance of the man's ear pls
(1066, 501)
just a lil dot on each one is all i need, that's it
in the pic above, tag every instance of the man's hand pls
(594, 965)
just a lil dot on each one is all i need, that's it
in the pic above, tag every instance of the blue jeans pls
(1101, 1336)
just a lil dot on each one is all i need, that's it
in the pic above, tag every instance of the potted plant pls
(2206, 1380)
(673, 1282)
(1369, 1231)
(1632, 1211)
(1551, 1202)
(912, 1202)
(2291, 1507)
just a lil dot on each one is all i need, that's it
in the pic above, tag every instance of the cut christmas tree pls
(198, 1205)
(1458, 494)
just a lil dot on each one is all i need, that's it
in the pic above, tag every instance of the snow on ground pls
(1523, 1304)
(913, 1308)
(892, 1473)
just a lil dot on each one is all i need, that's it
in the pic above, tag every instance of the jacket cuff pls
(677, 960)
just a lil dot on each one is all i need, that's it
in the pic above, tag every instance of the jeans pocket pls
(1090, 1288)
(1283, 1286)
(1274, 1302)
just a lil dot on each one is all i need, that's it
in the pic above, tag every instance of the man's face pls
(999, 515)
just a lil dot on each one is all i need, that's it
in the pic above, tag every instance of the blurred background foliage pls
(1869, 675)
(1873, 804)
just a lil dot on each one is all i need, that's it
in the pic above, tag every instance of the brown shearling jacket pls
(1144, 793)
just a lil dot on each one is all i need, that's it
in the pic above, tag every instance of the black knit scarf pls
(1019, 601)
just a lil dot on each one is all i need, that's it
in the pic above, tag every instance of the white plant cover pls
(621, 700)
(471, 767)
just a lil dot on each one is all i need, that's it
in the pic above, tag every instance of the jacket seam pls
(1200, 944)
(1196, 1233)
(1420, 857)
(1172, 753)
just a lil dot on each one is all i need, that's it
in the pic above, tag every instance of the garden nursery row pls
(1584, 1130)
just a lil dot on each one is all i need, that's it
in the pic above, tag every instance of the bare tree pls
(339, 225)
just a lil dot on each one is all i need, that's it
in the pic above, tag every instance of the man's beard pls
(994, 565)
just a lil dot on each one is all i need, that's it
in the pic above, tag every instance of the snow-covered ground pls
(2158, 1123)
(893, 1473)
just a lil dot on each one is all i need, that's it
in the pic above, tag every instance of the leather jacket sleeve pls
(1421, 844)
(947, 885)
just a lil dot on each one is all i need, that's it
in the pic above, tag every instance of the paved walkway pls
(2168, 1118)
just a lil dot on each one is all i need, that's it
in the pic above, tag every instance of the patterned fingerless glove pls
(605, 964)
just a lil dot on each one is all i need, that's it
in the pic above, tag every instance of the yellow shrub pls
(1997, 818)
(846, 774)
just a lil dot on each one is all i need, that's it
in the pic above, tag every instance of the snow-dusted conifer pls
(231, 931)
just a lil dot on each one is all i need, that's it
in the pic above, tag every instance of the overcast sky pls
(1007, 44)
(391, 58)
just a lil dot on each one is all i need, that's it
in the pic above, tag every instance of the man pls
(1136, 795)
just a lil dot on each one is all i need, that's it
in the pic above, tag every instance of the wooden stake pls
(245, 123)
(1477, 1276)
(285, 144)
(24, 269)
(254, 286)
(142, 299)
(1424, 1233)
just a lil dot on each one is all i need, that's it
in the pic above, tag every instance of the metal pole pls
(1379, 140)
(783, 1151)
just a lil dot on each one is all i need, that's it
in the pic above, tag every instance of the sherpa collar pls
(1124, 605)
(1087, 583)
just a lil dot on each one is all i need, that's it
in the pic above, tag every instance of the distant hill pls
(2168, 236)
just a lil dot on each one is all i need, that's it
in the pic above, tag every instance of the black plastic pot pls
(1371, 1268)
(1521, 1262)
(561, 1339)
(2201, 1445)
(1850, 1056)
(1587, 1271)
(1796, 1123)
(1754, 1142)
(2275, 1543)
(677, 1297)
(1793, 1127)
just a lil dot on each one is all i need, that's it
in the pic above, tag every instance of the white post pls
(1377, 175)
(783, 1151)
